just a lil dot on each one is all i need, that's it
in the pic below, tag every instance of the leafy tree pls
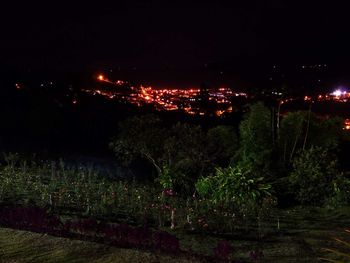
(256, 135)
(176, 153)
(140, 137)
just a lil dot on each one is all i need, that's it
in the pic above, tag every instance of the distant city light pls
(338, 93)
(168, 99)
(347, 124)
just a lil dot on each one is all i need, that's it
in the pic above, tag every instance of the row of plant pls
(81, 191)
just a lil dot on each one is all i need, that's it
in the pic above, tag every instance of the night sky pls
(181, 35)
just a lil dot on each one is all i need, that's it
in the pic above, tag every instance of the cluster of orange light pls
(343, 97)
(168, 99)
(286, 100)
(104, 79)
(307, 98)
(347, 124)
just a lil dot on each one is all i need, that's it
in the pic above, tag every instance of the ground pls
(301, 236)
(22, 247)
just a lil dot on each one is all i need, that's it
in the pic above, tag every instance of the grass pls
(22, 247)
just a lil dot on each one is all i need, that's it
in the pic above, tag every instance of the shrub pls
(234, 187)
(315, 178)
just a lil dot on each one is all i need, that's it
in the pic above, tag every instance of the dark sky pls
(175, 34)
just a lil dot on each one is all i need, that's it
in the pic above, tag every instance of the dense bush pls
(238, 194)
(316, 180)
(236, 188)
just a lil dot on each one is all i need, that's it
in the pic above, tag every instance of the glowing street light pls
(338, 93)
(101, 77)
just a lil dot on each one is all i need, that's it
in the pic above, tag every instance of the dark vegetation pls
(226, 179)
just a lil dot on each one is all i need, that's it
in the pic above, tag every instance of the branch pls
(149, 157)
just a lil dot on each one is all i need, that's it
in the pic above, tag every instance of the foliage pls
(140, 137)
(341, 192)
(165, 178)
(81, 191)
(180, 153)
(315, 177)
(234, 187)
(295, 135)
(256, 136)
